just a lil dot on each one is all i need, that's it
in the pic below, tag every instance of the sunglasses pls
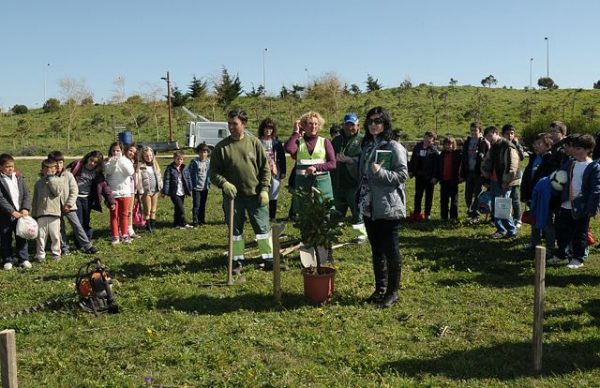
(376, 121)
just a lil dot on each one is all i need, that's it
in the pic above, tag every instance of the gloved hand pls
(264, 198)
(229, 189)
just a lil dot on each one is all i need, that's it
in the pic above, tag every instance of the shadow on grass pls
(505, 361)
(205, 304)
(137, 270)
(566, 320)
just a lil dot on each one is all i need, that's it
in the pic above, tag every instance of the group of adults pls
(347, 169)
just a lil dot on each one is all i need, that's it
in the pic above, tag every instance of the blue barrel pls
(126, 137)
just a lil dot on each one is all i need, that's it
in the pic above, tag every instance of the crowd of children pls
(129, 181)
(124, 181)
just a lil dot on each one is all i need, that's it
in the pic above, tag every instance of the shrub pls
(19, 109)
(51, 105)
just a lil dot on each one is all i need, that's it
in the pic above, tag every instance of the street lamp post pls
(530, 72)
(168, 79)
(547, 57)
(264, 71)
(45, 80)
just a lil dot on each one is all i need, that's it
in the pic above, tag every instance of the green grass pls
(181, 326)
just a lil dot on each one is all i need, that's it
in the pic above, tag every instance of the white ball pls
(558, 179)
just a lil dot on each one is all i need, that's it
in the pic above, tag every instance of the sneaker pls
(56, 257)
(388, 300)
(555, 260)
(25, 264)
(65, 252)
(39, 259)
(133, 235)
(8, 266)
(518, 224)
(574, 264)
(237, 267)
(188, 226)
(126, 240)
(497, 235)
(115, 241)
(91, 250)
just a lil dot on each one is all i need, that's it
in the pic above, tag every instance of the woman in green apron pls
(314, 154)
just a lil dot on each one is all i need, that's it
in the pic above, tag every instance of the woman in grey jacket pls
(382, 198)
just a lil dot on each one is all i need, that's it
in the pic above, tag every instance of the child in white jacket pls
(118, 170)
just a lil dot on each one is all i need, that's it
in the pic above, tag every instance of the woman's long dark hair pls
(96, 155)
(264, 124)
(387, 124)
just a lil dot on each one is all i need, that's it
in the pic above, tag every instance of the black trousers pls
(178, 210)
(571, 231)
(423, 185)
(7, 229)
(449, 195)
(387, 262)
(473, 184)
(199, 198)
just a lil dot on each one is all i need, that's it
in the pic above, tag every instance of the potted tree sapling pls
(317, 229)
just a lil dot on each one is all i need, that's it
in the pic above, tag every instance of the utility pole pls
(547, 57)
(168, 79)
(530, 72)
(264, 72)
(45, 81)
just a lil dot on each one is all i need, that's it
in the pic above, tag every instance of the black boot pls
(150, 225)
(388, 300)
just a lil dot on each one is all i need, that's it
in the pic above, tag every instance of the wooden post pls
(538, 306)
(275, 233)
(8, 358)
(230, 255)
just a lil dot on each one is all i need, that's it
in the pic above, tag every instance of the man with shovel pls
(239, 167)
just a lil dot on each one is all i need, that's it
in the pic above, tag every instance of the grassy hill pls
(447, 110)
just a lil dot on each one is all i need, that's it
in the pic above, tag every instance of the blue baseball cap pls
(351, 118)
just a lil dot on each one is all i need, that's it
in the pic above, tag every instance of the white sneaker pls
(8, 266)
(25, 264)
(188, 226)
(574, 264)
(518, 224)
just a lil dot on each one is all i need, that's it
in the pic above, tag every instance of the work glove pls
(229, 190)
(263, 198)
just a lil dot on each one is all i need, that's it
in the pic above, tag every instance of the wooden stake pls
(8, 358)
(230, 251)
(538, 306)
(275, 232)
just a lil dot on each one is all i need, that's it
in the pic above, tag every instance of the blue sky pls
(425, 41)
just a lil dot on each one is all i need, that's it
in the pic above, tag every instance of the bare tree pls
(118, 95)
(74, 92)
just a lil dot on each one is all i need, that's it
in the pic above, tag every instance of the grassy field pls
(464, 317)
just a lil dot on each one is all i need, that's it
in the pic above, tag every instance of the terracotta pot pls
(318, 288)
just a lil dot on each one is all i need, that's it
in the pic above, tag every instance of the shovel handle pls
(230, 250)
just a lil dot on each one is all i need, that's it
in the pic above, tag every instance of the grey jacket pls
(47, 197)
(388, 195)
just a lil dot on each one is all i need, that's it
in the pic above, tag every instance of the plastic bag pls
(27, 228)
(502, 208)
(138, 216)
